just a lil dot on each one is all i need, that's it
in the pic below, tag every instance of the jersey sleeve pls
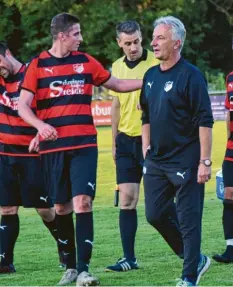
(114, 74)
(199, 100)
(100, 74)
(144, 103)
(29, 82)
(229, 89)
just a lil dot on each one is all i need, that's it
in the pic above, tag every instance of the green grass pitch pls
(36, 258)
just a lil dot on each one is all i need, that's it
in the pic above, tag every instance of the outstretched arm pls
(121, 86)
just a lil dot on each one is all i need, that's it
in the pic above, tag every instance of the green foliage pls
(9, 28)
(216, 81)
(26, 23)
(98, 20)
(36, 17)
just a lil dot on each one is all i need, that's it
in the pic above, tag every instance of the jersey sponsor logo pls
(66, 88)
(168, 86)
(230, 87)
(10, 103)
(78, 68)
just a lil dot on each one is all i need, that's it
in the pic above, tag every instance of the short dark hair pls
(128, 27)
(62, 23)
(3, 48)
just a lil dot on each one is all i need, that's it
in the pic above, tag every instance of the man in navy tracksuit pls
(177, 137)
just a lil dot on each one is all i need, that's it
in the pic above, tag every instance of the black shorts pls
(70, 173)
(21, 182)
(227, 173)
(129, 159)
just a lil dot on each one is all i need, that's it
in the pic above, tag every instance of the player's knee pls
(47, 214)
(82, 203)
(63, 209)
(9, 210)
(128, 204)
(128, 201)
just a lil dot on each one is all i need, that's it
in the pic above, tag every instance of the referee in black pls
(177, 138)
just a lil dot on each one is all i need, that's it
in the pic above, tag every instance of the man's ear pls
(177, 45)
(140, 36)
(119, 42)
(61, 36)
(8, 53)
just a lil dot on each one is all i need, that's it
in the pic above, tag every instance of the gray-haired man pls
(177, 128)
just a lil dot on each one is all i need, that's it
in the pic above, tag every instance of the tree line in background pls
(25, 26)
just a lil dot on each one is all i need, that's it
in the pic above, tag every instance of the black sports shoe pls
(123, 265)
(62, 259)
(4, 269)
(226, 257)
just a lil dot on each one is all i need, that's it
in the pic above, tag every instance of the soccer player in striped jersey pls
(20, 172)
(126, 133)
(61, 81)
(227, 168)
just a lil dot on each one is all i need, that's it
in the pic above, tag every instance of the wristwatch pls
(206, 162)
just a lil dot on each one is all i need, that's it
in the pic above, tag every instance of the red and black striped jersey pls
(15, 134)
(229, 106)
(63, 90)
